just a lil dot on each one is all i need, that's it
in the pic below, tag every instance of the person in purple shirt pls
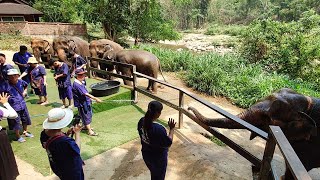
(38, 80)
(77, 63)
(155, 141)
(62, 77)
(17, 89)
(21, 60)
(4, 67)
(63, 151)
(82, 100)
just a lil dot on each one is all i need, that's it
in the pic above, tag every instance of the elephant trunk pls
(37, 54)
(225, 122)
(62, 55)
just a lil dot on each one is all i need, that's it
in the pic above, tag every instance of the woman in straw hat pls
(8, 165)
(38, 79)
(63, 151)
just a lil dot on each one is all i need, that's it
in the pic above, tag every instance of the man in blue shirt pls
(4, 67)
(21, 60)
(63, 151)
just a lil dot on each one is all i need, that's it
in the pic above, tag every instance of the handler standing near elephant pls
(82, 100)
(62, 77)
(155, 141)
(38, 80)
(21, 60)
(77, 63)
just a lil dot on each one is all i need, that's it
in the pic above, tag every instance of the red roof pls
(19, 9)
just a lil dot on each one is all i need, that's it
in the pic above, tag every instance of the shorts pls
(23, 116)
(65, 92)
(42, 91)
(85, 114)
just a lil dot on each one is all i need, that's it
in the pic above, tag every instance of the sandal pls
(21, 140)
(93, 134)
(44, 103)
(85, 129)
(28, 134)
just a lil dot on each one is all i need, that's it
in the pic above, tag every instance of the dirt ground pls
(192, 156)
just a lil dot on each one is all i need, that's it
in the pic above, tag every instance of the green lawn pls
(114, 126)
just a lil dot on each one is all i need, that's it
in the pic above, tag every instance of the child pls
(63, 152)
(62, 77)
(17, 89)
(77, 63)
(155, 141)
(38, 80)
(82, 100)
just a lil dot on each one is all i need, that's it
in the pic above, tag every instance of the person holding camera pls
(63, 151)
(155, 141)
(62, 77)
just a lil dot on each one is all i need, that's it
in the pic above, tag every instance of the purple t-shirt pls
(16, 99)
(63, 82)
(36, 73)
(79, 97)
(1, 114)
(23, 59)
(79, 61)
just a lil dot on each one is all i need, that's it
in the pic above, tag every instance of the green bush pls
(217, 29)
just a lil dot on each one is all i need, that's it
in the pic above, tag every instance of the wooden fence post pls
(134, 93)
(88, 67)
(267, 158)
(181, 104)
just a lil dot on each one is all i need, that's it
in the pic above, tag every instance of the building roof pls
(17, 9)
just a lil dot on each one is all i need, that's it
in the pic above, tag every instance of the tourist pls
(155, 141)
(78, 62)
(62, 77)
(17, 90)
(8, 165)
(38, 80)
(21, 60)
(63, 151)
(4, 67)
(82, 100)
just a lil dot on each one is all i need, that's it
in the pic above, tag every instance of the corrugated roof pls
(13, 8)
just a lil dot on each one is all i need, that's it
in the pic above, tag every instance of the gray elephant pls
(97, 49)
(42, 50)
(63, 45)
(296, 114)
(146, 63)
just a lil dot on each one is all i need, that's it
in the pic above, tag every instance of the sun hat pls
(12, 72)
(32, 60)
(58, 118)
(80, 71)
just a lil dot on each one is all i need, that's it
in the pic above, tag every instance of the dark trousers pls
(156, 165)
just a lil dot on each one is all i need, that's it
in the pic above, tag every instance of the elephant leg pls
(149, 85)
(288, 175)
(154, 87)
(126, 72)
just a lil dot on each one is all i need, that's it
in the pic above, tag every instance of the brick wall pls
(43, 28)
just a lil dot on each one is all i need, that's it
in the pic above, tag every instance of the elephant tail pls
(160, 69)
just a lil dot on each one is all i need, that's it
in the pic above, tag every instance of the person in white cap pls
(17, 89)
(63, 151)
(38, 79)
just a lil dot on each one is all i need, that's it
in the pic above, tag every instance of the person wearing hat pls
(82, 100)
(63, 151)
(17, 89)
(78, 62)
(4, 67)
(62, 77)
(21, 60)
(38, 79)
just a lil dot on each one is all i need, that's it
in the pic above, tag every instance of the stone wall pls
(43, 29)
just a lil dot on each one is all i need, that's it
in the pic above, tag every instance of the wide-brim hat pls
(58, 118)
(32, 60)
(80, 71)
(12, 72)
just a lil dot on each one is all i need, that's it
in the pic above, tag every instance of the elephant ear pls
(46, 45)
(280, 112)
(107, 47)
(72, 45)
(308, 121)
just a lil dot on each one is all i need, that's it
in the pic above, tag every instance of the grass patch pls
(114, 126)
(12, 42)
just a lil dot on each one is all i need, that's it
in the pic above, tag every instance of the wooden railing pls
(276, 136)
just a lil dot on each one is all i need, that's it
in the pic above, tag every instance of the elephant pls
(146, 63)
(63, 45)
(297, 115)
(97, 49)
(42, 50)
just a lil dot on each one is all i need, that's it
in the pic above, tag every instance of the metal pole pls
(134, 93)
(181, 104)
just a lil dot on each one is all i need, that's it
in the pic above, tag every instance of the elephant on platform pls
(146, 63)
(97, 49)
(63, 45)
(297, 115)
(42, 50)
